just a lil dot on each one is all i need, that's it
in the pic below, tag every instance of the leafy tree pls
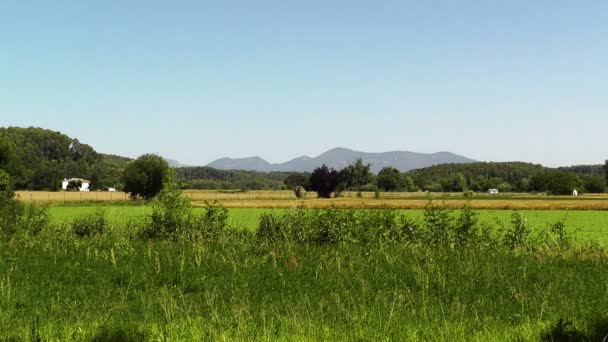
(144, 177)
(389, 179)
(562, 183)
(595, 184)
(356, 175)
(409, 184)
(606, 170)
(324, 181)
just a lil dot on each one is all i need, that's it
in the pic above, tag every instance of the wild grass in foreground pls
(303, 275)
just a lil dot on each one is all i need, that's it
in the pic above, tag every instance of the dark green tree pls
(324, 181)
(144, 177)
(562, 183)
(595, 184)
(356, 175)
(389, 179)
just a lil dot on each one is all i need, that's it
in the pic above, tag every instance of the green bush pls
(518, 234)
(91, 224)
(212, 223)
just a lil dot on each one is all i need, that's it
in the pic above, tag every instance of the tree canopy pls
(145, 176)
(324, 181)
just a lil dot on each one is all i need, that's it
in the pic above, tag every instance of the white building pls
(492, 191)
(574, 192)
(84, 184)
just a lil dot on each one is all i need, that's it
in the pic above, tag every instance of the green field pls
(306, 275)
(586, 225)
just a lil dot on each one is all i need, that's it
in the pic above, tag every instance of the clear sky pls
(197, 80)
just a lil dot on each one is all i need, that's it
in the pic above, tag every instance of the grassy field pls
(117, 286)
(587, 225)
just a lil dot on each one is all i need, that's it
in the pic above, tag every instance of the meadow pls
(123, 271)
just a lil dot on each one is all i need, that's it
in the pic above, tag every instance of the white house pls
(574, 193)
(111, 190)
(83, 187)
(492, 191)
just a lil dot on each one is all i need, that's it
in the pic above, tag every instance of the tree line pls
(479, 177)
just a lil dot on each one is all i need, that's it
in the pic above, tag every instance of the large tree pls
(145, 176)
(389, 179)
(357, 175)
(324, 181)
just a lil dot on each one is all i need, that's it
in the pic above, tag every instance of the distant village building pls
(492, 191)
(574, 192)
(111, 190)
(84, 184)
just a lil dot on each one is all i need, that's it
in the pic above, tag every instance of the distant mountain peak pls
(339, 157)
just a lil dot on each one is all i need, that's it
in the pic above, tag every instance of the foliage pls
(517, 235)
(324, 181)
(39, 159)
(74, 185)
(91, 224)
(204, 177)
(561, 183)
(594, 184)
(389, 179)
(478, 176)
(213, 223)
(171, 213)
(438, 223)
(356, 175)
(172, 217)
(295, 180)
(144, 177)
(465, 229)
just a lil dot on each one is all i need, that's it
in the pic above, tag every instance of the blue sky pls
(197, 80)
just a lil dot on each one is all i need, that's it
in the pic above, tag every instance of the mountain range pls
(338, 158)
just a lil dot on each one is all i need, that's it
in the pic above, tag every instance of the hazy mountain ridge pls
(338, 158)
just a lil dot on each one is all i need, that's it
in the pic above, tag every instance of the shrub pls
(213, 222)
(171, 213)
(91, 224)
(465, 229)
(438, 223)
(33, 219)
(561, 236)
(517, 235)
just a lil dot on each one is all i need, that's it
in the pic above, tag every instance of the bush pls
(91, 224)
(171, 214)
(517, 235)
(438, 223)
(465, 229)
(32, 219)
(213, 222)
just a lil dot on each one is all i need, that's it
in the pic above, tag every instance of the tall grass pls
(329, 274)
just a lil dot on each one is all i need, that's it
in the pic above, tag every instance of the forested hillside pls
(509, 176)
(39, 159)
(205, 177)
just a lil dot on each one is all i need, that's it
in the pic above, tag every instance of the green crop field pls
(584, 224)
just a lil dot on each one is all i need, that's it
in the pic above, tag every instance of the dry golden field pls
(286, 199)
